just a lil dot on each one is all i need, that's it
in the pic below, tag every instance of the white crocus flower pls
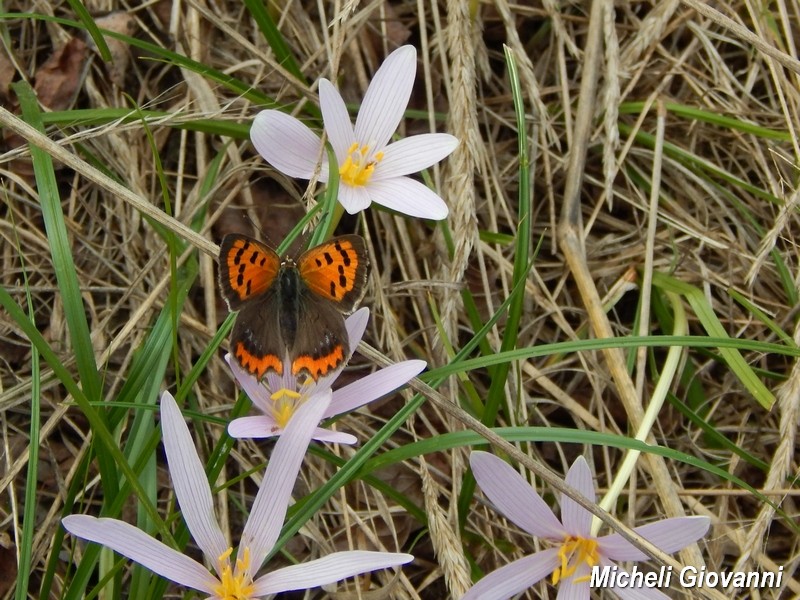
(231, 579)
(574, 550)
(370, 168)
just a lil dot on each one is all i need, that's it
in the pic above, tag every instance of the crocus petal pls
(256, 427)
(633, 593)
(129, 541)
(190, 481)
(513, 578)
(575, 587)
(333, 437)
(337, 121)
(353, 198)
(272, 500)
(250, 385)
(668, 535)
(409, 197)
(386, 98)
(413, 154)
(356, 324)
(514, 497)
(331, 568)
(287, 144)
(576, 519)
(373, 386)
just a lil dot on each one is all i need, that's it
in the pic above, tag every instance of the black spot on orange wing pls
(247, 269)
(337, 270)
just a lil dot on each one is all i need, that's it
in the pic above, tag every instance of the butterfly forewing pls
(337, 271)
(247, 269)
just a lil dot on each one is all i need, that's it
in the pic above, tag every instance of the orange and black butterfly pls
(292, 310)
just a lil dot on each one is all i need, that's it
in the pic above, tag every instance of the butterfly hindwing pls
(256, 340)
(320, 343)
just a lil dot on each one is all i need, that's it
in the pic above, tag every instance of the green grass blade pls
(705, 313)
(91, 28)
(260, 13)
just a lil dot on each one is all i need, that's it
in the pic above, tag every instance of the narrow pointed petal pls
(356, 324)
(386, 98)
(287, 144)
(409, 197)
(190, 481)
(669, 535)
(514, 578)
(272, 500)
(575, 588)
(413, 154)
(256, 427)
(576, 519)
(250, 385)
(373, 386)
(334, 437)
(328, 569)
(337, 121)
(133, 543)
(353, 199)
(514, 497)
(631, 593)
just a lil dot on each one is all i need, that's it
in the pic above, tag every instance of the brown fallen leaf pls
(123, 23)
(7, 72)
(59, 77)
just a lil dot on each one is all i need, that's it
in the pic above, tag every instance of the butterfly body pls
(292, 312)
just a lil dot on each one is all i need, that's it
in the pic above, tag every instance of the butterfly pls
(292, 310)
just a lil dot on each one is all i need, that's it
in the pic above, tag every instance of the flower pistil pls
(286, 402)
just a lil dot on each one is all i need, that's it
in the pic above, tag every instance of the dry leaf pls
(7, 72)
(123, 23)
(58, 79)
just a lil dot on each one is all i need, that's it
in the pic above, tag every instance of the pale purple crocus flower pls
(279, 396)
(370, 168)
(574, 549)
(231, 578)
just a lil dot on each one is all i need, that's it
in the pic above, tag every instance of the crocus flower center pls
(574, 552)
(357, 168)
(234, 584)
(284, 403)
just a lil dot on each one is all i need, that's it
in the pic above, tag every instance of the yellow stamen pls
(234, 584)
(277, 396)
(575, 551)
(357, 170)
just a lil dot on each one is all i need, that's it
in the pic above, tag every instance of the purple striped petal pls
(409, 197)
(386, 98)
(670, 535)
(373, 386)
(576, 519)
(514, 578)
(514, 497)
(272, 500)
(133, 543)
(328, 569)
(190, 481)
(413, 154)
(287, 144)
